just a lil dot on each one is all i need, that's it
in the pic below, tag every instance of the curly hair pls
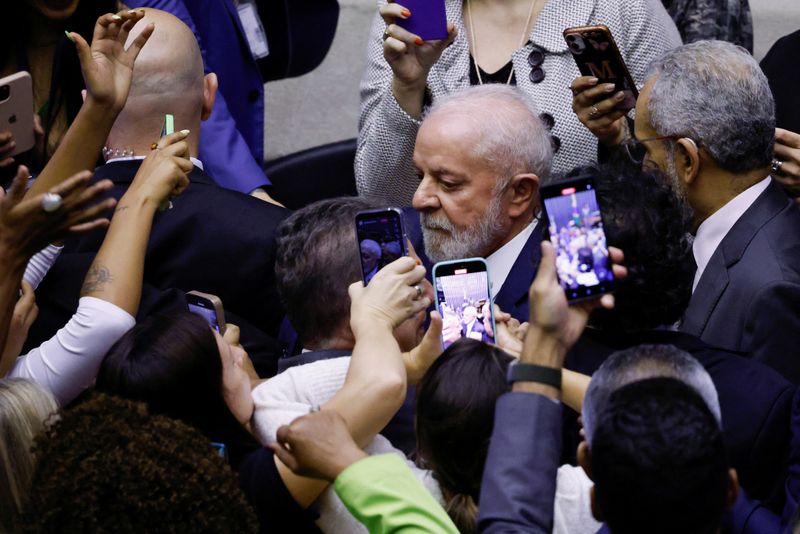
(110, 466)
(650, 223)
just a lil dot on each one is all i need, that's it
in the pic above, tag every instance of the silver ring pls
(51, 202)
(418, 288)
(776, 166)
(594, 112)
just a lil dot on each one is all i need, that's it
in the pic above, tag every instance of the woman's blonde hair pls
(25, 408)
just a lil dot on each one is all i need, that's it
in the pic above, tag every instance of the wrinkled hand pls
(554, 323)
(164, 172)
(596, 107)
(389, 298)
(107, 66)
(787, 150)
(421, 357)
(25, 313)
(317, 445)
(408, 55)
(25, 228)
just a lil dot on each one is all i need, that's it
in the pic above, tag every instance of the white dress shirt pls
(714, 229)
(502, 260)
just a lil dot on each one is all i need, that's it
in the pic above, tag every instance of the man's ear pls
(687, 160)
(210, 86)
(524, 192)
(733, 488)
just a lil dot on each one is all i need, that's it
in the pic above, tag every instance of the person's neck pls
(717, 188)
(42, 31)
(517, 226)
(139, 140)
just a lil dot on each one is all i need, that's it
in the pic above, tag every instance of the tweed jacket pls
(383, 167)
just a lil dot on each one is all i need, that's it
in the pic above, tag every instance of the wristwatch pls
(528, 372)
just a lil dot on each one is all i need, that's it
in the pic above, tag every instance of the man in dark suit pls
(481, 155)
(211, 239)
(706, 117)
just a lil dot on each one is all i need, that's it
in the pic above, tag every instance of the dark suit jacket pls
(519, 480)
(755, 402)
(213, 240)
(748, 298)
(513, 296)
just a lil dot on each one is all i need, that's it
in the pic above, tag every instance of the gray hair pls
(640, 363)
(716, 94)
(513, 138)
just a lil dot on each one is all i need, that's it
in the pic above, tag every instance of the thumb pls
(432, 341)
(355, 290)
(82, 47)
(283, 454)
(547, 265)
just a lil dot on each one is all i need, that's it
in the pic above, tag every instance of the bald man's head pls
(168, 77)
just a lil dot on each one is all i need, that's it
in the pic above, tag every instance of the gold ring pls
(153, 146)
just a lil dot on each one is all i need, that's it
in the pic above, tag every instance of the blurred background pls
(322, 106)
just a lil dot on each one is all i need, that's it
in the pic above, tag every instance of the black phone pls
(209, 307)
(575, 227)
(464, 300)
(596, 54)
(381, 239)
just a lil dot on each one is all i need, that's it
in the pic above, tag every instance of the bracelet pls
(528, 372)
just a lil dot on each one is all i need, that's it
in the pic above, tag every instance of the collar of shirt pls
(197, 163)
(502, 260)
(714, 229)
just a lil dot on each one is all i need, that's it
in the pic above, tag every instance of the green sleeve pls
(383, 494)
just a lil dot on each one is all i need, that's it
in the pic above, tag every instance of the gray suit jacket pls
(748, 298)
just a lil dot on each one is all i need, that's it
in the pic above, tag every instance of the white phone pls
(16, 110)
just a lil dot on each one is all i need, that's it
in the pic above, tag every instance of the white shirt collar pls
(502, 260)
(197, 163)
(713, 230)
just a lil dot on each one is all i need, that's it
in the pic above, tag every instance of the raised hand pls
(25, 313)
(596, 107)
(107, 66)
(25, 226)
(787, 160)
(392, 296)
(164, 171)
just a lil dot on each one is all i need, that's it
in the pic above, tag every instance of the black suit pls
(213, 240)
(755, 401)
(748, 297)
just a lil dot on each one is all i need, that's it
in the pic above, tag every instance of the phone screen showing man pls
(576, 230)
(381, 240)
(464, 301)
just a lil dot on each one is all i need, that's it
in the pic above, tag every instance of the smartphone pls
(575, 227)
(428, 18)
(596, 54)
(168, 127)
(209, 307)
(16, 110)
(381, 239)
(464, 300)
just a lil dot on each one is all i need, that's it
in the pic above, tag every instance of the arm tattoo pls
(96, 279)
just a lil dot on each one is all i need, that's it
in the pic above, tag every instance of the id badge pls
(253, 29)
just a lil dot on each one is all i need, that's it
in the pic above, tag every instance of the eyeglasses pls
(536, 60)
(636, 151)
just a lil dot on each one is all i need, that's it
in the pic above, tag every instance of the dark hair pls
(317, 260)
(66, 83)
(109, 466)
(454, 420)
(658, 461)
(647, 220)
(172, 363)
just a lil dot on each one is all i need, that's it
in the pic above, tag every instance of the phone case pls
(428, 18)
(16, 110)
(215, 302)
(597, 54)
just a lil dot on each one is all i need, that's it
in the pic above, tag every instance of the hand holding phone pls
(209, 307)
(464, 300)
(381, 239)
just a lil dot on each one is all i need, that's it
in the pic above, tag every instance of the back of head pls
(512, 137)
(715, 93)
(317, 259)
(454, 420)
(172, 363)
(641, 363)
(658, 461)
(646, 219)
(24, 410)
(108, 465)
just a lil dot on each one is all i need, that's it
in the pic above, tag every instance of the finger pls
(129, 19)
(286, 457)
(433, 336)
(28, 299)
(787, 138)
(606, 120)
(231, 334)
(607, 301)
(582, 83)
(107, 27)
(76, 182)
(418, 305)
(82, 48)
(616, 255)
(183, 163)
(590, 96)
(393, 48)
(5, 137)
(391, 11)
(138, 43)
(173, 139)
(401, 34)
(546, 274)
(91, 226)
(37, 124)
(181, 186)
(19, 186)
(89, 214)
(786, 152)
(6, 162)
(92, 192)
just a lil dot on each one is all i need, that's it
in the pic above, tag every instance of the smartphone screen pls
(464, 300)
(205, 308)
(576, 230)
(381, 240)
(597, 55)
